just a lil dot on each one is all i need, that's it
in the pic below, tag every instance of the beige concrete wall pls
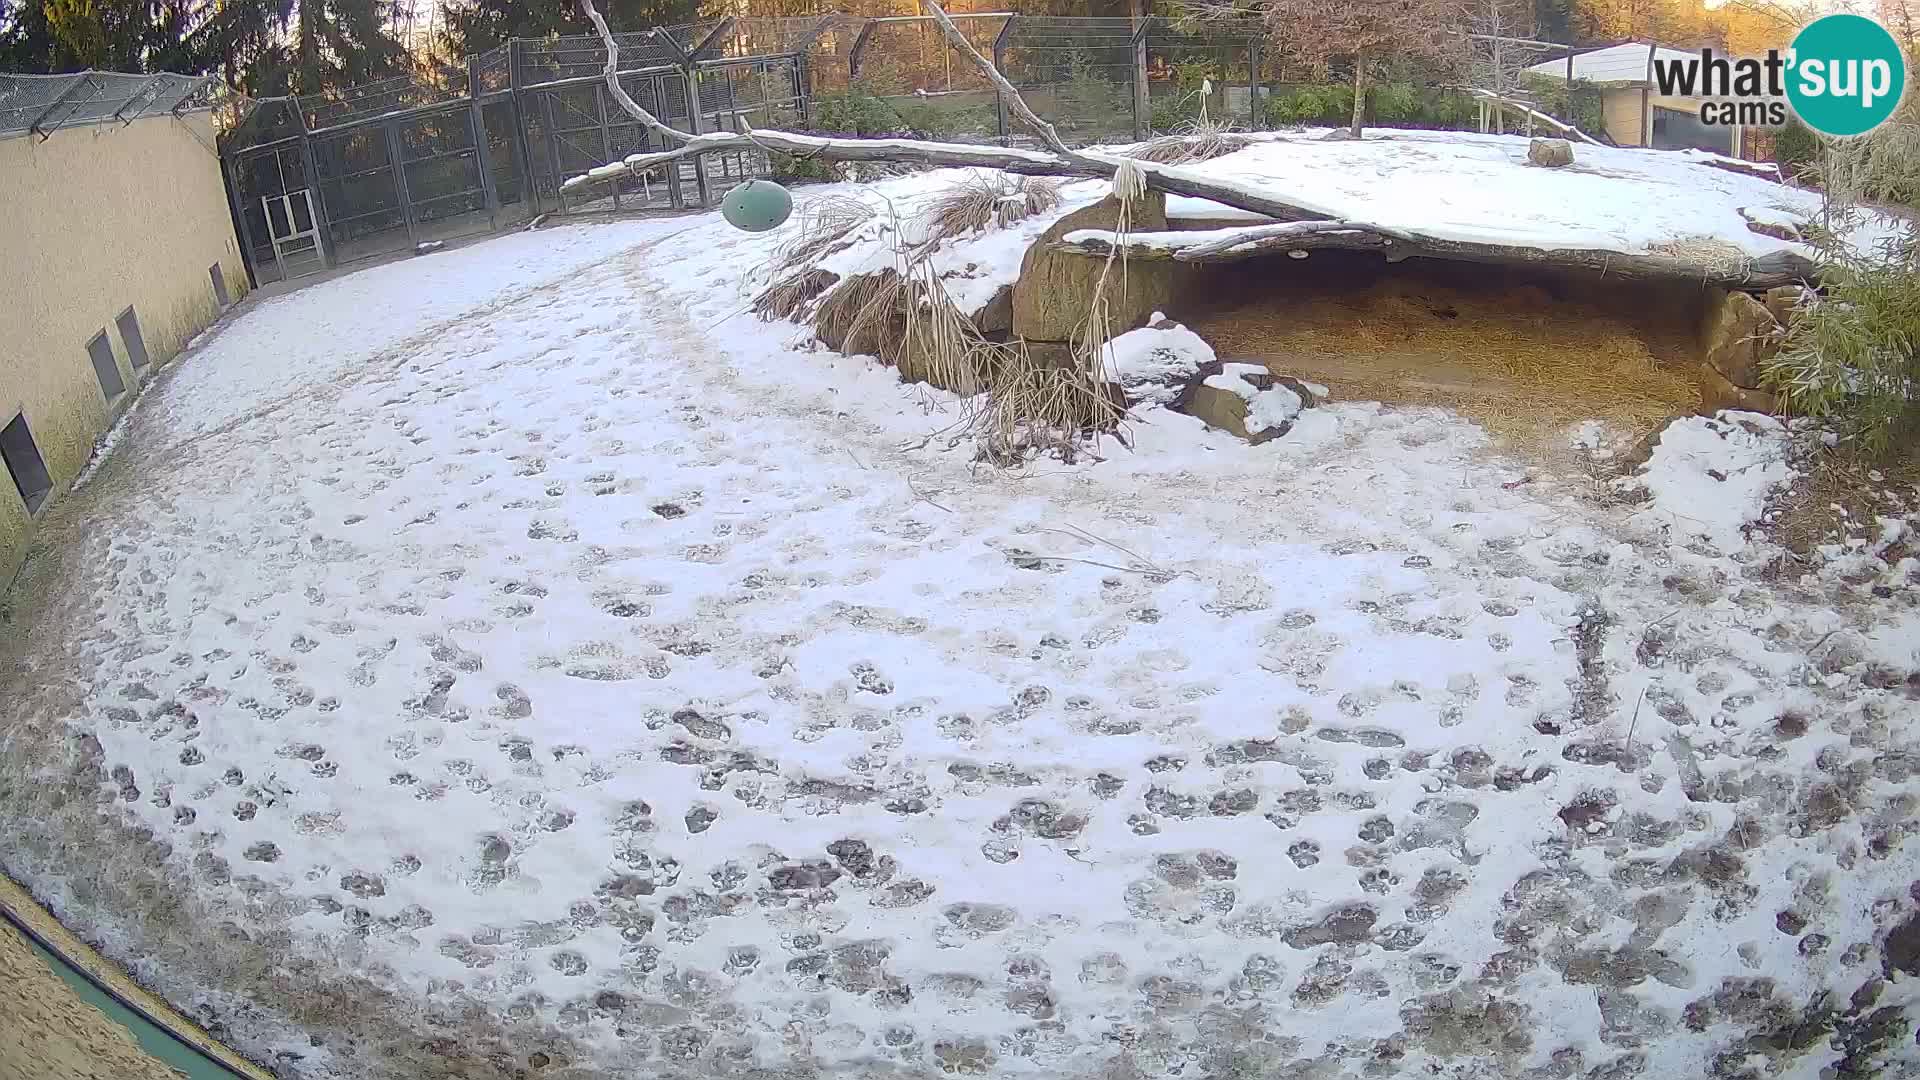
(92, 220)
(1625, 119)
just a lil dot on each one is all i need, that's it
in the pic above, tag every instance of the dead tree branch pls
(612, 75)
(1528, 110)
(1016, 104)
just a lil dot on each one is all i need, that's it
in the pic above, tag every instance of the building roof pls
(1625, 63)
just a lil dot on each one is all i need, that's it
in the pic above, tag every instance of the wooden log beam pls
(1230, 245)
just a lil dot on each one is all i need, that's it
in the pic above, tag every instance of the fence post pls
(803, 88)
(529, 184)
(606, 137)
(482, 154)
(1253, 83)
(227, 165)
(859, 49)
(692, 75)
(322, 231)
(394, 158)
(553, 152)
(1000, 65)
(1142, 103)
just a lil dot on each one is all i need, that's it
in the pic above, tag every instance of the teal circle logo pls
(1846, 75)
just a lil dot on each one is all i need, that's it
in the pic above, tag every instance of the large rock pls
(1156, 363)
(1717, 393)
(1736, 336)
(995, 320)
(1784, 302)
(916, 365)
(1055, 289)
(1550, 153)
(1246, 400)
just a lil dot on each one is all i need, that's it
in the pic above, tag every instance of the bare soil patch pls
(1524, 354)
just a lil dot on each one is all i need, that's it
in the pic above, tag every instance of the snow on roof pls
(1614, 64)
(1462, 186)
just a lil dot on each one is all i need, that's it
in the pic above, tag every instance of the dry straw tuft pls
(790, 297)
(985, 200)
(1195, 140)
(857, 315)
(825, 225)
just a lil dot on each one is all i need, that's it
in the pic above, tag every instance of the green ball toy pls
(756, 206)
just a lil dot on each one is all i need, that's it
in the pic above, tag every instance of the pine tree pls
(475, 26)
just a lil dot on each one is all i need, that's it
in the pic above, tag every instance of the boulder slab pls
(1717, 393)
(1055, 289)
(1550, 153)
(1737, 335)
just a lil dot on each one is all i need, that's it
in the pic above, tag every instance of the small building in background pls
(115, 220)
(1636, 113)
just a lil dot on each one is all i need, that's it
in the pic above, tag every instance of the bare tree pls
(1499, 51)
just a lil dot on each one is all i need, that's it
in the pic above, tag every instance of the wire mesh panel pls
(1183, 63)
(45, 103)
(575, 127)
(445, 188)
(689, 36)
(26, 98)
(374, 99)
(904, 77)
(260, 178)
(492, 72)
(505, 160)
(360, 191)
(739, 94)
(1077, 74)
(579, 57)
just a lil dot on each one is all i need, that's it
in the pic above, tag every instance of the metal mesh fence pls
(398, 94)
(584, 56)
(406, 161)
(45, 103)
(1077, 74)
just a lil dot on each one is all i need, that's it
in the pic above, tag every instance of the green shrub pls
(787, 168)
(1311, 103)
(1180, 104)
(855, 112)
(1579, 102)
(1395, 104)
(1852, 357)
(935, 119)
(1795, 148)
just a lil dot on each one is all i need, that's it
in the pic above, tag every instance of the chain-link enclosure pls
(42, 104)
(402, 162)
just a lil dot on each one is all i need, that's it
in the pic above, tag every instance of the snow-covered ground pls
(465, 667)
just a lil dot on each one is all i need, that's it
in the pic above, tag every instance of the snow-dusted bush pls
(1853, 356)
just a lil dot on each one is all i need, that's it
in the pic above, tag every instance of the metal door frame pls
(281, 244)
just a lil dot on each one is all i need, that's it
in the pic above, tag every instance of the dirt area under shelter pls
(1524, 352)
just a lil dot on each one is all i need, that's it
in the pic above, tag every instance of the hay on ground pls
(1519, 363)
(856, 315)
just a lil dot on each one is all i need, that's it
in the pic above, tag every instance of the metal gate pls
(264, 177)
(294, 233)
